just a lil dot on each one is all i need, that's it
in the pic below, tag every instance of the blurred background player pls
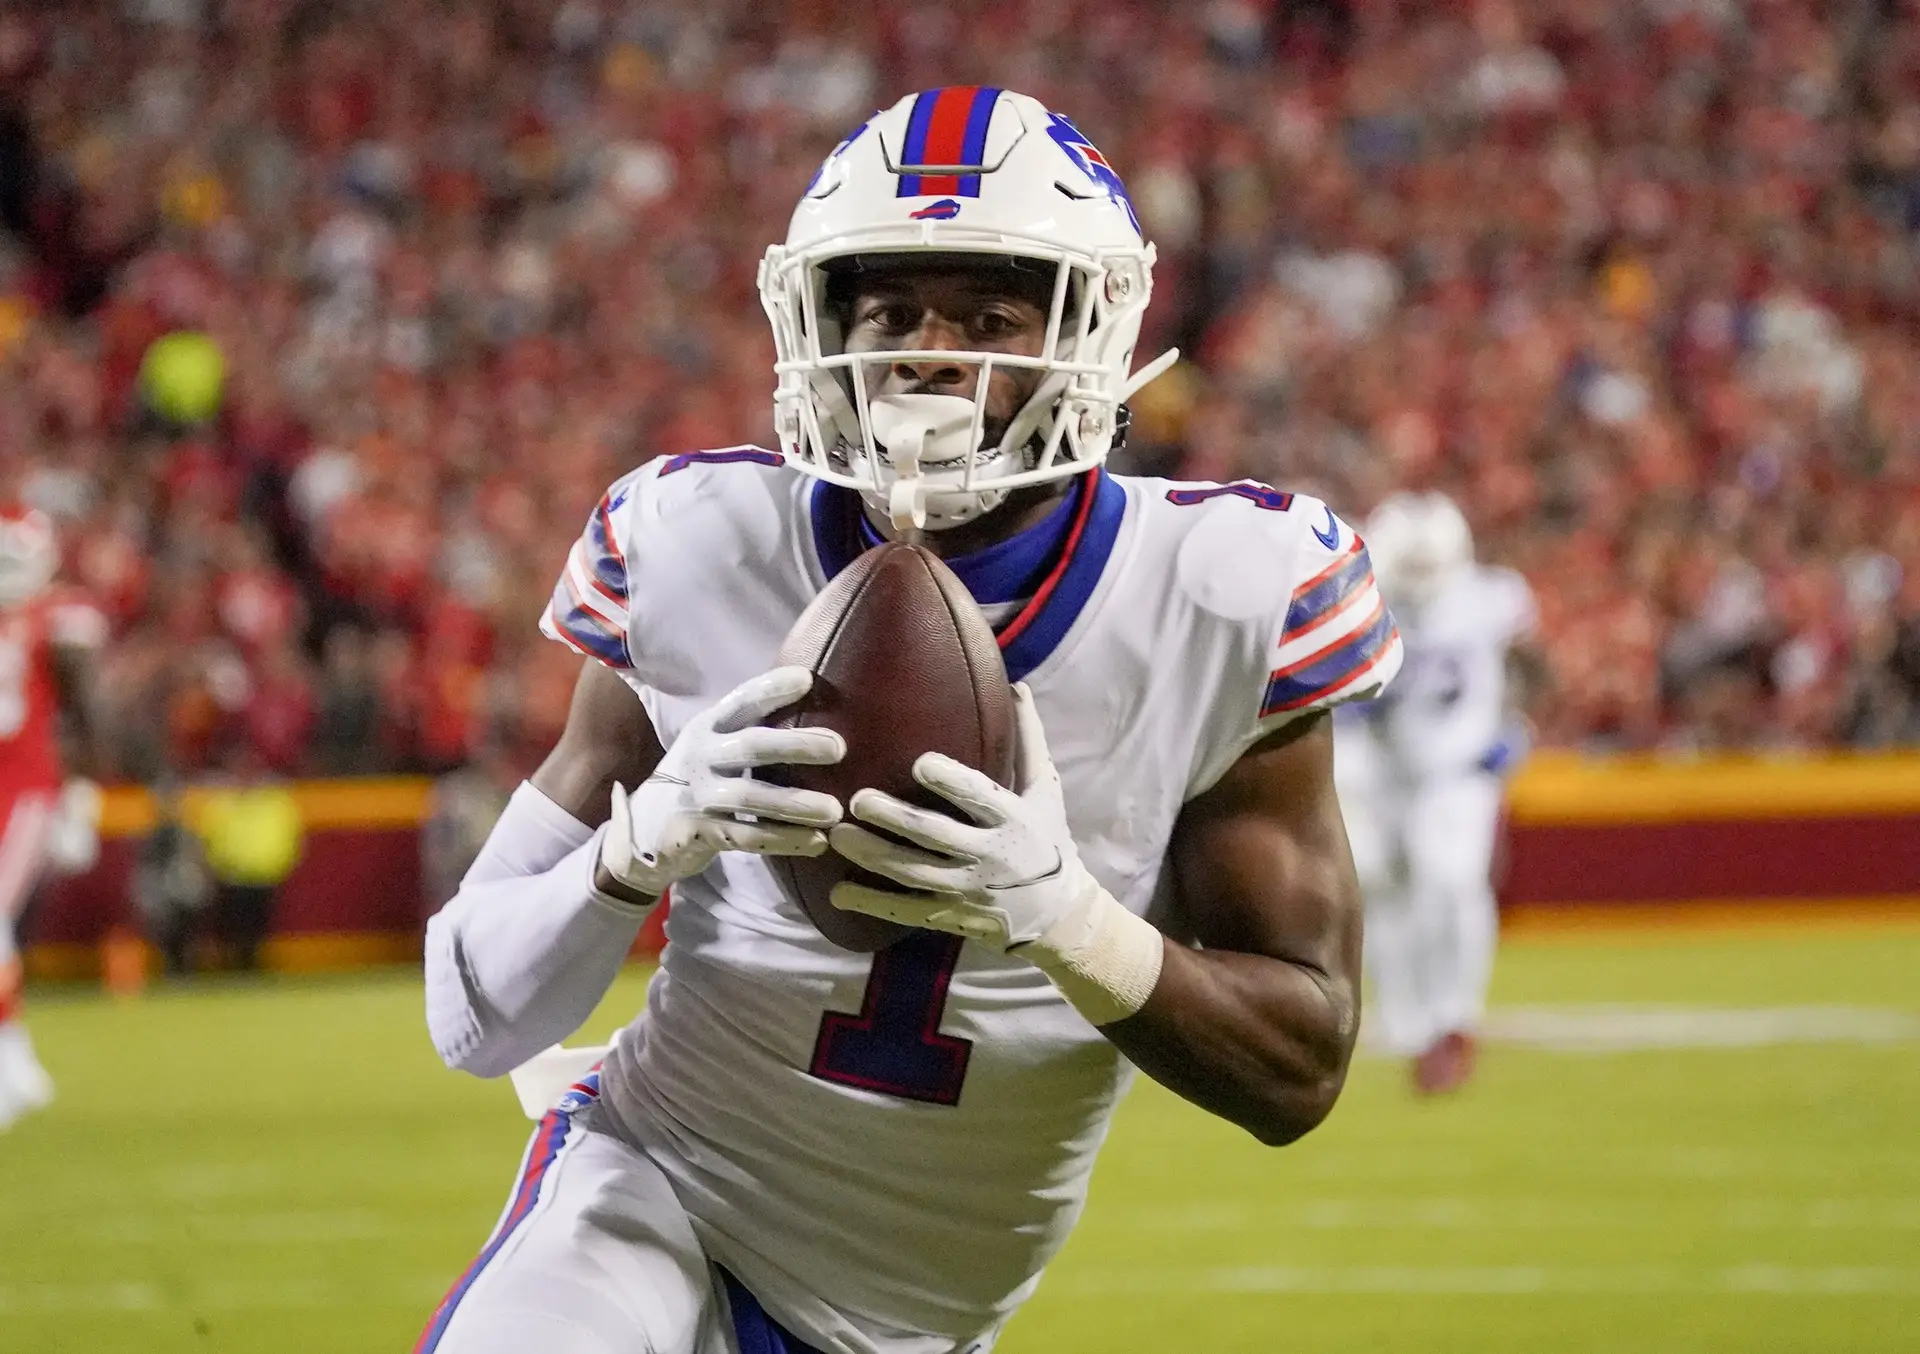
(171, 884)
(1420, 775)
(254, 837)
(45, 820)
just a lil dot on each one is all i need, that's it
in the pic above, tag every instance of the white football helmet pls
(29, 554)
(1418, 542)
(963, 170)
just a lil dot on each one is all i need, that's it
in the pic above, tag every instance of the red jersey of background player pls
(38, 622)
(31, 633)
(44, 822)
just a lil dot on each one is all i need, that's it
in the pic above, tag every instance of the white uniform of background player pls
(798, 1146)
(1420, 779)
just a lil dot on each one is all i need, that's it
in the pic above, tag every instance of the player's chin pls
(992, 430)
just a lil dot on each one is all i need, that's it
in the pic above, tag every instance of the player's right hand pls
(699, 801)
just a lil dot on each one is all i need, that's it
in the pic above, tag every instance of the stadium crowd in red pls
(1636, 282)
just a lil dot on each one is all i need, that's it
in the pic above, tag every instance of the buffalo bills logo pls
(1092, 163)
(943, 210)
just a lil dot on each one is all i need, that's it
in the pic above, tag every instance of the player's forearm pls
(1256, 1040)
(524, 951)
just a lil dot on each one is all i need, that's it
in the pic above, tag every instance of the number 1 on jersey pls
(894, 1046)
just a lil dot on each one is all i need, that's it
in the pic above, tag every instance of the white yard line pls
(202, 1180)
(1620, 1028)
(1495, 1280)
(1610, 1028)
(293, 1227)
(217, 1295)
(1451, 1213)
(57, 1299)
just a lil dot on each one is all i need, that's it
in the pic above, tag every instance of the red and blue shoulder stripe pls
(588, 610)
(1337, 640)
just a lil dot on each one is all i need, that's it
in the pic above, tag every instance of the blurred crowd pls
(1635, 280)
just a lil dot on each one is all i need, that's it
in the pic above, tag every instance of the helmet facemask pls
(986, 176)
(931, 460)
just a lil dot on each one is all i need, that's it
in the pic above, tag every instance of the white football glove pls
(698, 802)
(1010, 879)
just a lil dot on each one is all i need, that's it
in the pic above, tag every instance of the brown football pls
(903, 664)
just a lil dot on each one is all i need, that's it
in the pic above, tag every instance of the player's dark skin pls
(1258, 1025)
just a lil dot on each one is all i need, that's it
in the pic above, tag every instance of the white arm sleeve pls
(521, 955)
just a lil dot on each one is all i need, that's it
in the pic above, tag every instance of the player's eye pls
(996, 323)
(890, 317)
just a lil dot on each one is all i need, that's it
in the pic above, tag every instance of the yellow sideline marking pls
(325, 952)
(1555, 789)
(1578, 921)
(1565, 789)
(368, 804)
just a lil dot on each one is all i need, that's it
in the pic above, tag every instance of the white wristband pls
(617, 854)
(1104, 960)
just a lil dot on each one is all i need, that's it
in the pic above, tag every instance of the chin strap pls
(906, 442)
(929, 441)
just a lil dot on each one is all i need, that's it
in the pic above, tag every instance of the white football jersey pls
(893, 1143)
(1448, 711)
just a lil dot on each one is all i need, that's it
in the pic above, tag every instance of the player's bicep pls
(608, 738)
(1261, 858)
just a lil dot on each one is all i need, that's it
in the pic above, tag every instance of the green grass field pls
(277, 1167)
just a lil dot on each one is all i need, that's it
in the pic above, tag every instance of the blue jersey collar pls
(1056, 563)
(1009, 570)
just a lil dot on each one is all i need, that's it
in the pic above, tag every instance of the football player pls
(1421, 774)
(801, 1148)
(46, 819)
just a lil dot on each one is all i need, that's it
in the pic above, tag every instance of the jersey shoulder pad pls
(591, 607)
(1230, 545)
(1291, 611)
(588, 609)
(1336, 640)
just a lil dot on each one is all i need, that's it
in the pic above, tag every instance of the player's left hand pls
(1008, 875)
(1004, 876)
